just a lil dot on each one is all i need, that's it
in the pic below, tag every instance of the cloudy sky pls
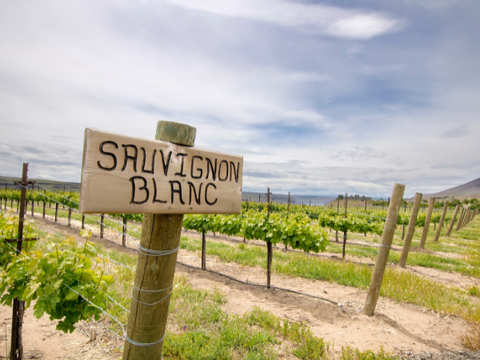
(320, 97)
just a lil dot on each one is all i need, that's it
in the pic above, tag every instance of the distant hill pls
(283, 199)
(471, 189)
(8, 182)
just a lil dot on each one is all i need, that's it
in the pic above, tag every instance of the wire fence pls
(123, 327)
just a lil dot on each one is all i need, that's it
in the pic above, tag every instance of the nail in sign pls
(122, 174)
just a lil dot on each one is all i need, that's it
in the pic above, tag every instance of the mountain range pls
(470, 189)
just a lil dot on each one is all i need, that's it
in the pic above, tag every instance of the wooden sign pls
(122, 174)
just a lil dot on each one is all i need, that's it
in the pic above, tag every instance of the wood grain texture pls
(411, 230)
(423, 239)
(440, 224)
(384, 249)
(147, 323)
(454, 217)
(154, 277)
(175, 133)
(121, 174)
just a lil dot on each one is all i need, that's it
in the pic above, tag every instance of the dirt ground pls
(395, 327)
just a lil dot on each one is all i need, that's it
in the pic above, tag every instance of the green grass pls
(401, 286)
(467, 263)
(90, 219)
(459, 243)
(199, 328)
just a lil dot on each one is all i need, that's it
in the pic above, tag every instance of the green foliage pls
(354, 354)
(363, 223)
(208, 332)
(294, 230)
(474, 291)
(53, 275)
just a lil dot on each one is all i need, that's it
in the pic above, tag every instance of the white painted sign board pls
(122, 174)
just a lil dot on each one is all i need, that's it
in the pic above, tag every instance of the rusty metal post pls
(204, 249)
(16, 347)
(102, 218)
(288, 206)
(269, 246)
(124, 233)
(345, 232)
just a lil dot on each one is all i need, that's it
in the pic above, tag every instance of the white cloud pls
(363, 26)
(311, 18)
(455, 132)
(298, 108)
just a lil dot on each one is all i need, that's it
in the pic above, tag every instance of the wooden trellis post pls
(460, 220)
(442, 219)
(384, 250)
(450, 228)
(410, 230)
(431, 203)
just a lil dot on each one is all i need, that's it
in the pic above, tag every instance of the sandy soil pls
(395, 327)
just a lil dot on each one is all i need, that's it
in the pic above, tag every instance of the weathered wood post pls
(450, 228)
(163, 180)
(56, 211)
(410, 230)
(384, 249)
(460, 219)
(161, 233)
(468, 214)
(440, 224)
(465, 218)
(431, 203)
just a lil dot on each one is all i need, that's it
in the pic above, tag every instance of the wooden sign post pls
(121, 174)
(164, 180)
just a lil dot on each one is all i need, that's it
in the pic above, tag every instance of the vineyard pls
(73, 280)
